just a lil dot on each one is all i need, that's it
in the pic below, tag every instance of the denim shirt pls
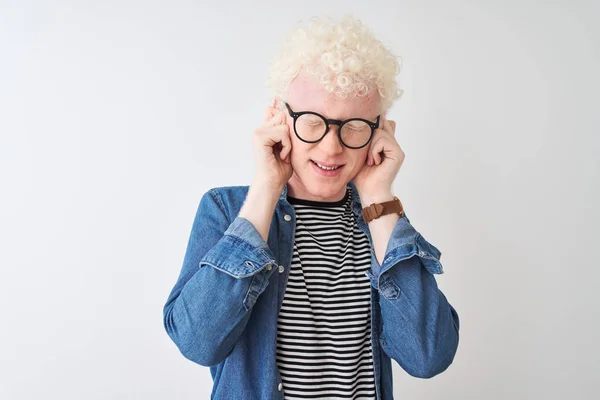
(222, 312)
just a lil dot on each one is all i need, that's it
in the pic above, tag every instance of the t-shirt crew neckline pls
(327, 204)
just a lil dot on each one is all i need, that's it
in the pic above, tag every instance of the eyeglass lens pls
(311, 127)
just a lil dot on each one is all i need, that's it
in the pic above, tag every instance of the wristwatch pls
(376, 210)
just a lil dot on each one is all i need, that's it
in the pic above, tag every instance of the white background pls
(116, 116)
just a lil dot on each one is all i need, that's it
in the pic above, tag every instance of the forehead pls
(306, 94)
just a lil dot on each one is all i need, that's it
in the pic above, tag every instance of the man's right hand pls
(272, 150)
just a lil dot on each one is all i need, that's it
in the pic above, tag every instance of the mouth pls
(327, 167)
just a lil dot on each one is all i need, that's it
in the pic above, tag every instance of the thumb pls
(269, 113)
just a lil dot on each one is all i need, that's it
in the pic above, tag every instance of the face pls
(309, 181)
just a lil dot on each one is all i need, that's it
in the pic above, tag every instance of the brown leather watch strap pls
(376, 210)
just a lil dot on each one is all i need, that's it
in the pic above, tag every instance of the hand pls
(272, 149)
(384, 159)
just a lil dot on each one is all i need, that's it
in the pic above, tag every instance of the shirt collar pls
(356, 204)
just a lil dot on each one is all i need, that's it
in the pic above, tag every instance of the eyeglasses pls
(311, 127)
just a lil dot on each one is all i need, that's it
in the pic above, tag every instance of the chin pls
(326, 190)
(323, 189)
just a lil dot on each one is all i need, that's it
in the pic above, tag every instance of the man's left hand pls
(384, 159)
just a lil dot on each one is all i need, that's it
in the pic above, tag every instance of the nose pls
(331, 142)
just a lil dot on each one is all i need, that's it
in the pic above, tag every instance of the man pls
(309, 281)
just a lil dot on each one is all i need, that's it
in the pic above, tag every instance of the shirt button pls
(279, 387)
(281, 268)
(269, 266)
(287, 217)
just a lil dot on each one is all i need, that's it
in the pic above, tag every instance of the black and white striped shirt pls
(324, 325)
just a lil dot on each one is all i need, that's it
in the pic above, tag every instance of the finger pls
(275, 117)
(393, 125)
(385, 126)
(369, 158)
(286, 148)
(278, 136)
(273, 134)
(274, 120)
(279, 117)
(376, 151)
(390, 126)
(381, 123)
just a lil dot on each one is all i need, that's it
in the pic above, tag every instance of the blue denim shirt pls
(222, 311)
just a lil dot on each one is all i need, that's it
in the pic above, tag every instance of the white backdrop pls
(116, 116)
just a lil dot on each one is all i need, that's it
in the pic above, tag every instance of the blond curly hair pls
(344, 57)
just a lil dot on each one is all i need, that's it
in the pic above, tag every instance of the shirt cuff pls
(404, 243)
(241, 252)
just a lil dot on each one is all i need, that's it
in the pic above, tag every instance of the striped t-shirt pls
(324, 325)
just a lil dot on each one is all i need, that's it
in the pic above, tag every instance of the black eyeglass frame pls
(340, 123)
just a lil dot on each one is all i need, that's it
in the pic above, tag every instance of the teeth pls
(326, 168)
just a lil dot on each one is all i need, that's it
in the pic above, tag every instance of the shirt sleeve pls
(420, 329)
(225, 268)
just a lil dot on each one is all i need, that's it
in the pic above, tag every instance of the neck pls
(297, 190)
